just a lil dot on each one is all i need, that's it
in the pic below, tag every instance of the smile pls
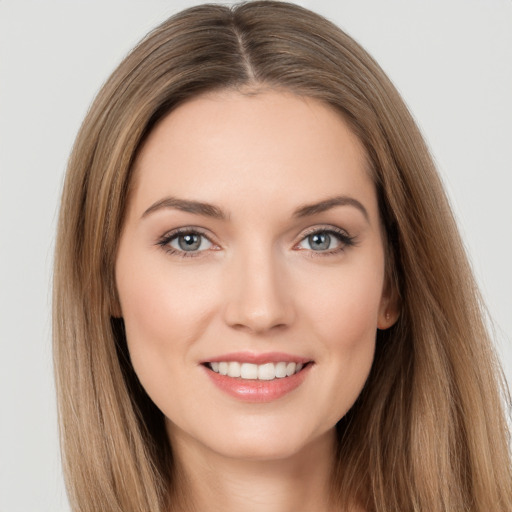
(250, 371)
(258, 378)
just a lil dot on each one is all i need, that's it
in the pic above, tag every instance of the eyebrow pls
(327, 204)
(185, 205)
(210, 210)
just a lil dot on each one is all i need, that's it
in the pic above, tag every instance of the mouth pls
(249, 371)
(258, 378)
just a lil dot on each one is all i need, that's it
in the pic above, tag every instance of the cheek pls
(343, 318)
(164, 311)
(345, 308)
(353, 313)
(347, 327)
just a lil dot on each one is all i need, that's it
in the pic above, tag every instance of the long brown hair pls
(428, 432)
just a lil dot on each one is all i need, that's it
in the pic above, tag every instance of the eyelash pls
(346, 241)
(172, 235)
(342, 236)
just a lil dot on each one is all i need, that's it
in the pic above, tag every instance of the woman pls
(261, 298)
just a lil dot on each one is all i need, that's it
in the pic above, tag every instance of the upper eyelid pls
(342, 234)
(323, 228)
(186, 230)
(165, 239)
(164, 242)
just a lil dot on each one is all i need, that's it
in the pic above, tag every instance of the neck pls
(214, 482)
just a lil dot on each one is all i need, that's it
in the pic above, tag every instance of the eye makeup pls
(186, 242)
(191, 241)
(325, 241)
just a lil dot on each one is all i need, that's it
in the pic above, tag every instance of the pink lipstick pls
(257, 377)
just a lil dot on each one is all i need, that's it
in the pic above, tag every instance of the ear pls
(389, 308)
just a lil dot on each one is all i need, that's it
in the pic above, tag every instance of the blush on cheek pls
(350, 315)
(164, 313)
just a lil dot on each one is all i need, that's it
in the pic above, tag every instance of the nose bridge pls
(259, 299)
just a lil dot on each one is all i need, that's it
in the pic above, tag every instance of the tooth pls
(290, 369)
(280, 370)
(249, 371)
(234, 369)
(223, 368)
(267, 371)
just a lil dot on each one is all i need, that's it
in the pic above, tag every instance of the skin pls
(255, 285)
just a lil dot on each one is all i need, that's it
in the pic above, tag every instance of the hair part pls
(428, 432)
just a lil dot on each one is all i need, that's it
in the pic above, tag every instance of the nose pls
(259, 298)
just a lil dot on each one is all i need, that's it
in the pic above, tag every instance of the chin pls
(263, 441)
(261, 449)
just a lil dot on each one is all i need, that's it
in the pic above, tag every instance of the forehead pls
(232, 148)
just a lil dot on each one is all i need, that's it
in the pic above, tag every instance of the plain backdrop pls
(450, 59)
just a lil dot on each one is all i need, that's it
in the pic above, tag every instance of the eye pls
(326, 240)
(320, 241)
(185, 242)
(190, 242)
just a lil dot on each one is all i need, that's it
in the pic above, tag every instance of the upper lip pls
(262, 358)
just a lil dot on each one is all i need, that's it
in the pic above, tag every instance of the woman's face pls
(252, 245)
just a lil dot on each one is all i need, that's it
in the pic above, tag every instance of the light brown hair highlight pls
(428, 431)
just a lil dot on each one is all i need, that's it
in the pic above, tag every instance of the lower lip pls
(253, 390)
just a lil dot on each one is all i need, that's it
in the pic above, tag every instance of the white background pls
(450, 59)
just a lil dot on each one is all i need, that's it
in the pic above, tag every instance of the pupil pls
(189, 242)
(320, 241)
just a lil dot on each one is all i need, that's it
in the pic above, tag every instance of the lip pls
(255, 390)
(250, 357)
